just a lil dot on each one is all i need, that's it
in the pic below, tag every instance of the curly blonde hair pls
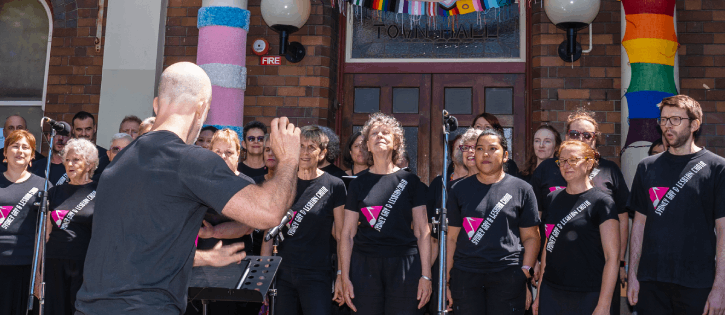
(396, 129)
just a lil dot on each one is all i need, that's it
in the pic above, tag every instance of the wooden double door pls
(417, 101)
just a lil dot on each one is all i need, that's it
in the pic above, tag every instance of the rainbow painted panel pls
(651, 43)
(431, 8)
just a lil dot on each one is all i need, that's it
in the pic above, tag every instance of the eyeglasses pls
(674, 120)
(115, 150)
(257, 139)
(571, 161)
(465, 148)
(574, 134)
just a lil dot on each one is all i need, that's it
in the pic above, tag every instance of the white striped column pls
(221, 52)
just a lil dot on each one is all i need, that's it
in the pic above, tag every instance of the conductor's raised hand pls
(285, 140)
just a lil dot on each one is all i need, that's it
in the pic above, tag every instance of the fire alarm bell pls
(260, 47)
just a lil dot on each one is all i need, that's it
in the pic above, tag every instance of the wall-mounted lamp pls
(287, 17)
(571, 16)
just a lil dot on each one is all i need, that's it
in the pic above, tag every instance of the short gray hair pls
(457, 154)
(471, 135)
(84, 148)
(121, 135)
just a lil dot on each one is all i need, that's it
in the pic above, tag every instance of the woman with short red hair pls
(18, 220)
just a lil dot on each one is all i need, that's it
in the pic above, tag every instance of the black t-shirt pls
(103, 162)
(574, 251)
(333, 170)
(259, 179)
(57, 172)
(71, 214)
(681, 196)
(435, 197)
(385, 204)
(150, 204)
(251, 172)
(607, 177)
(18, 219)
(308, 235)
(490, 217)
(511, 168)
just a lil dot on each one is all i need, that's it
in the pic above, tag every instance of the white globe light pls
(568, 13)
(283, 14)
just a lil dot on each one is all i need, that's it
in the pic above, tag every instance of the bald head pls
(12, 123)
(183, 101)
(184, 82)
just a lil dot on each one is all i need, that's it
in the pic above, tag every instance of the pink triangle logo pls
(555, 188)
(58, 216)
(471, 224)
(656, 194)
(5, 212)
(294, 215)
(549, 228)
(372, 213)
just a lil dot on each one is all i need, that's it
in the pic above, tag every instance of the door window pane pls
(367, 100)
(411, 146)
(405, 100)
(458, 100)
(499, 100)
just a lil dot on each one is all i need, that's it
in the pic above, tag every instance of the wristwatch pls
(527, 269)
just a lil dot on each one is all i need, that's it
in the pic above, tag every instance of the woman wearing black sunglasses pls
(547, 178)
(252, 164)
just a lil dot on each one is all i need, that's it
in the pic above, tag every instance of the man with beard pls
(57, 168)
(84, 127)
(679, 199)
(151, 201)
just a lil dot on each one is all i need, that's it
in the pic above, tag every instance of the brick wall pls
(74, 75)
(595, 80)
(304, 91)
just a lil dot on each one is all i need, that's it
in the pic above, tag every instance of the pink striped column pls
(223, 27)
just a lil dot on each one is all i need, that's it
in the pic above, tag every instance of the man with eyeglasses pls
(253, 146)
(57, 174)
(118, 142)
(677, 249)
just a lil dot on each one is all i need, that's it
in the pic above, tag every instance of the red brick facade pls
(595, 80)
(303, 91)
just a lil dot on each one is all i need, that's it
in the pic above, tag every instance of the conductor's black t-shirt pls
(18, 219)
(385, 206)
(574, 250)
(308, 235)
(607, 177)
(251, 172)
(57, 172)
(71, 214)
(682, 196)
(490, 217)
(149, 207)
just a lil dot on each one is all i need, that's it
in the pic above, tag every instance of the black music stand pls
(248, 281)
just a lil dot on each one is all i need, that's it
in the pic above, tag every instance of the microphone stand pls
(39, 254)
(441, 223)
(273, 290)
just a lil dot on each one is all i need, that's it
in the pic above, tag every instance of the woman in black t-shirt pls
(499, 216)
(304, 277)
(581, 254)
(546, 143)
(18, 221)
(69, 228)
(385, 262)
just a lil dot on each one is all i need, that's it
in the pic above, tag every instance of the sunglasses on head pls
(257, 139)
(574, 134)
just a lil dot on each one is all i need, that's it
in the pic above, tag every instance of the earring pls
(5, 160)
(30, 164)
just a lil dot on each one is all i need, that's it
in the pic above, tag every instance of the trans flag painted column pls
(649, 74)
(223, 27)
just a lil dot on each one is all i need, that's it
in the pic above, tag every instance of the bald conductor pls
(151, 200)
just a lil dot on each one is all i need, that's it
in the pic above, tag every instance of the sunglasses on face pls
(581, 135)
(255, 139)
(465, 148)
(571, 161)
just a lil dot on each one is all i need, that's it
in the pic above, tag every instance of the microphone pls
(450, 121)
(61, 127)
(274, 231)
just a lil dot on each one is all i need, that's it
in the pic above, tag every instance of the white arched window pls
(25, 38)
